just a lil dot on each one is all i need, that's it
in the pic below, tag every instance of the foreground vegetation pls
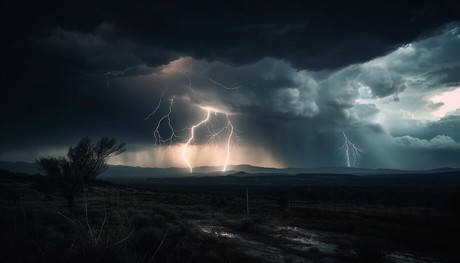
(116, 223)
(110, 224)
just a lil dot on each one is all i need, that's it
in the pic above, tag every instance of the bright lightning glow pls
(228, 129)
(351, 151)
(192, 135)
(213, 135)
(229, 140)
(168, 139)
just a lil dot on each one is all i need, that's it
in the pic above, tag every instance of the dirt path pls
(293, 244)
(251, 245)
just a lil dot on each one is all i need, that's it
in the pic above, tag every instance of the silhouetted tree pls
(83, 164)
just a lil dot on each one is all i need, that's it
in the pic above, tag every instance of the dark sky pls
(292, 76)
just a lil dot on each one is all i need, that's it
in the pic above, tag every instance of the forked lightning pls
(351, 152)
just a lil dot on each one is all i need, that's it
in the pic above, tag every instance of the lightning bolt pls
(352, 152)
(222, 85)
(229, 140)
(227, 129)
(213, 135)
(157, 107)
(190, 139)
(156, 133)
(159, 140)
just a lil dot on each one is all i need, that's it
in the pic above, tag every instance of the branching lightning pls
(214, 131)
(171, 134)
(229, 140)
(351, 152)
(192, 136)
(114, 74)
(159, 140)
(156, 133)
(222, 85)
(157, 107)
(212, 135)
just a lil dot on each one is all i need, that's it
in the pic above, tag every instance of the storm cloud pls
(292, 77)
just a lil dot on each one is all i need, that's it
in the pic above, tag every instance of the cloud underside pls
(289, 97)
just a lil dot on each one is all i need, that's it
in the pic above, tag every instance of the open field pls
(204, 220)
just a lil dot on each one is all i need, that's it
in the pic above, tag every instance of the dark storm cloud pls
(382, 82)
(315, 36)
(98, 50)
(276, 87)
(319, 35)
(301, 67)
(424, 64)
(271, 87)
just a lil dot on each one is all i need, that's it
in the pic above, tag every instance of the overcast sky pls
(290, 77)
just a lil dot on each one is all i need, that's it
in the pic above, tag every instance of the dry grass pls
(107, 224)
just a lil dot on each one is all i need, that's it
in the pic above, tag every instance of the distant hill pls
(19, 167)
(119, 171)
(113, 171)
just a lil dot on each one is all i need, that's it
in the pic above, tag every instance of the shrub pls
(84, 162)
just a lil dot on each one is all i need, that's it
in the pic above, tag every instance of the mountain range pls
(119, 171)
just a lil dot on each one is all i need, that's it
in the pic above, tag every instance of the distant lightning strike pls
(158, 139)
(223, 86)
(229, 140)
(161, 139)
(228, 128)
(157, 107)
(192, 136)
(213, 135)
(351, 151)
